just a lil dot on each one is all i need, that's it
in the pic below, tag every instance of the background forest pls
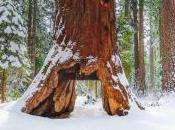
(87, 64)
(26, 31)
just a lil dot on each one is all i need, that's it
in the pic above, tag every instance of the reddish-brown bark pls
(141, 48)
(168, 44)
(88, 31)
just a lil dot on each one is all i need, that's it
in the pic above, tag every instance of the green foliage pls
(12, 35)
(44, 30)
(13, 31)
(125, 38)
(153, 9)
(151, 29)
(13, 50)
(14, 94)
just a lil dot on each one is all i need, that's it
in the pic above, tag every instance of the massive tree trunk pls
(84, 48)
(168, 44)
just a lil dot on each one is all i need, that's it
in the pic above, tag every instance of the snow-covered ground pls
(92, 117)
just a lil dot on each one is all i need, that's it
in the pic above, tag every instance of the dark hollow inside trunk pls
(84, 49)
(73, 73)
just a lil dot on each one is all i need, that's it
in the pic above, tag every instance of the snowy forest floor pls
(159, 115)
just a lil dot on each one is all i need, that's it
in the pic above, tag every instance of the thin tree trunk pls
(34, 35)
(3, 86)
(96, 89)
(141, 48)
(151, 58)
(127, 7)
(32, 38)
(136, 41)
(168, 44)
(29, 42)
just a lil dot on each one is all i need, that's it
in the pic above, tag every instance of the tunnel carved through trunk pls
(84, 48)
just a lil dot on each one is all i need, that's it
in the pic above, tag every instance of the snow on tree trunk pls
(84, 48)
(168, 44)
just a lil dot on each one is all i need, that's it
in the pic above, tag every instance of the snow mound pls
(89, 117)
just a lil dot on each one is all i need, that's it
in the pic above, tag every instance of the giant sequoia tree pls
(84, 48)
(168, 44)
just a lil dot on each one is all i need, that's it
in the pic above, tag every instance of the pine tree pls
(44, 31)
(13, 52)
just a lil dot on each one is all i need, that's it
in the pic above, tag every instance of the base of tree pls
(56, 96)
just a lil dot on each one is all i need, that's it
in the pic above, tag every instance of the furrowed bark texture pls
(85, 48)
(168, 44)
